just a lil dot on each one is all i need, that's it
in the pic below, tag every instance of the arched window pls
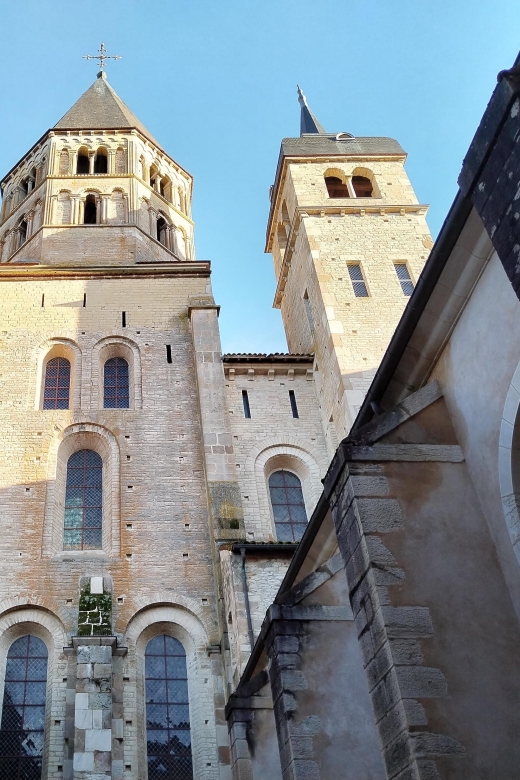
(22, 232)
(23, 710)
(168, 737)
(116, 388)
(162, 228)
(83, 501)
(90, 215)
(83, 164)
(101, 161)
(336, 188)
(57, 384)
(362, 186)
(290, 517)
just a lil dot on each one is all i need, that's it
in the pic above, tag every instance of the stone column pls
(91, 158)
(153, 222)
(94, 697)
(112, 161)
(29, 217)
(74, 209)
(81, 213)
(30, 185)
(103, 216)
(73, 162)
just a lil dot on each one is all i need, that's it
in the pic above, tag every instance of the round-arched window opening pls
(162, 228)
(362, 187)
(101, 162)
(22, 232)
(336, 188)
(82, 167)
(90, 217)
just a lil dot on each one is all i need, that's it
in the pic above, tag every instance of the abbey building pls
(243, 566)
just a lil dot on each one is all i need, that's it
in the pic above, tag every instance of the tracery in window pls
(116, 386)
(57, 384)
(83, 501)
(23, 710)
(168, 737)
(290, 516)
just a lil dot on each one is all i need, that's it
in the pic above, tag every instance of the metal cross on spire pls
(102, 56)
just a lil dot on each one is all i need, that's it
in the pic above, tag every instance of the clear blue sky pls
(215, 82)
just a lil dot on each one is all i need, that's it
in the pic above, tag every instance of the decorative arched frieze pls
(80, 436)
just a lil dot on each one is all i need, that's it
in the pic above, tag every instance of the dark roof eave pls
(265, 358)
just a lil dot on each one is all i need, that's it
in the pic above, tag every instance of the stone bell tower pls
(348, 239)
(97, 166)
(106, 534)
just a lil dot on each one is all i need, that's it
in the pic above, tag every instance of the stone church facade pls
(196, 581)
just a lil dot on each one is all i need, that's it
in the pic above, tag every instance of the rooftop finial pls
(102, 56)
(308, 122)
(302, 100)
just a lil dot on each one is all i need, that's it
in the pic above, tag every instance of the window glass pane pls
(168, 735)
(83, 502)
(116, 384)
(288, 506)
(57, 384)
(22, 726)
(403, 275)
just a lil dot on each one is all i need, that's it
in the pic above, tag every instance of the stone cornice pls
(33, 271)
(360, 206)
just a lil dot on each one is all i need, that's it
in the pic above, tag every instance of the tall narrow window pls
(90, 214)
(83, 165)
(22, 232)
(83, 501)
(162, 229)
(168, 737)
(245, 402)
(290, 517)
(101, 162)
(403, 275)
(292, 399)
(116, 392)
(57, 384)
(23, 710)
(358, 283)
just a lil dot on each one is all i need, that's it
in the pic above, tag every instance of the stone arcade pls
(159, 616)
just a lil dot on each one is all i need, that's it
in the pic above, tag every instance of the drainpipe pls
(246, 595)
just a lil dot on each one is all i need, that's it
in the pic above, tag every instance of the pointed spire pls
(101, 108)
(308, 122)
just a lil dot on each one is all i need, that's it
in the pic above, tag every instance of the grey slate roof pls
(101, 108)
(326, 144)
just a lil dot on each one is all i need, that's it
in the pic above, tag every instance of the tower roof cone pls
(308, 121)
(101, 108)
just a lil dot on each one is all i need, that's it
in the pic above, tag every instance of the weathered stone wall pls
(160, 549)
(272, 438)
